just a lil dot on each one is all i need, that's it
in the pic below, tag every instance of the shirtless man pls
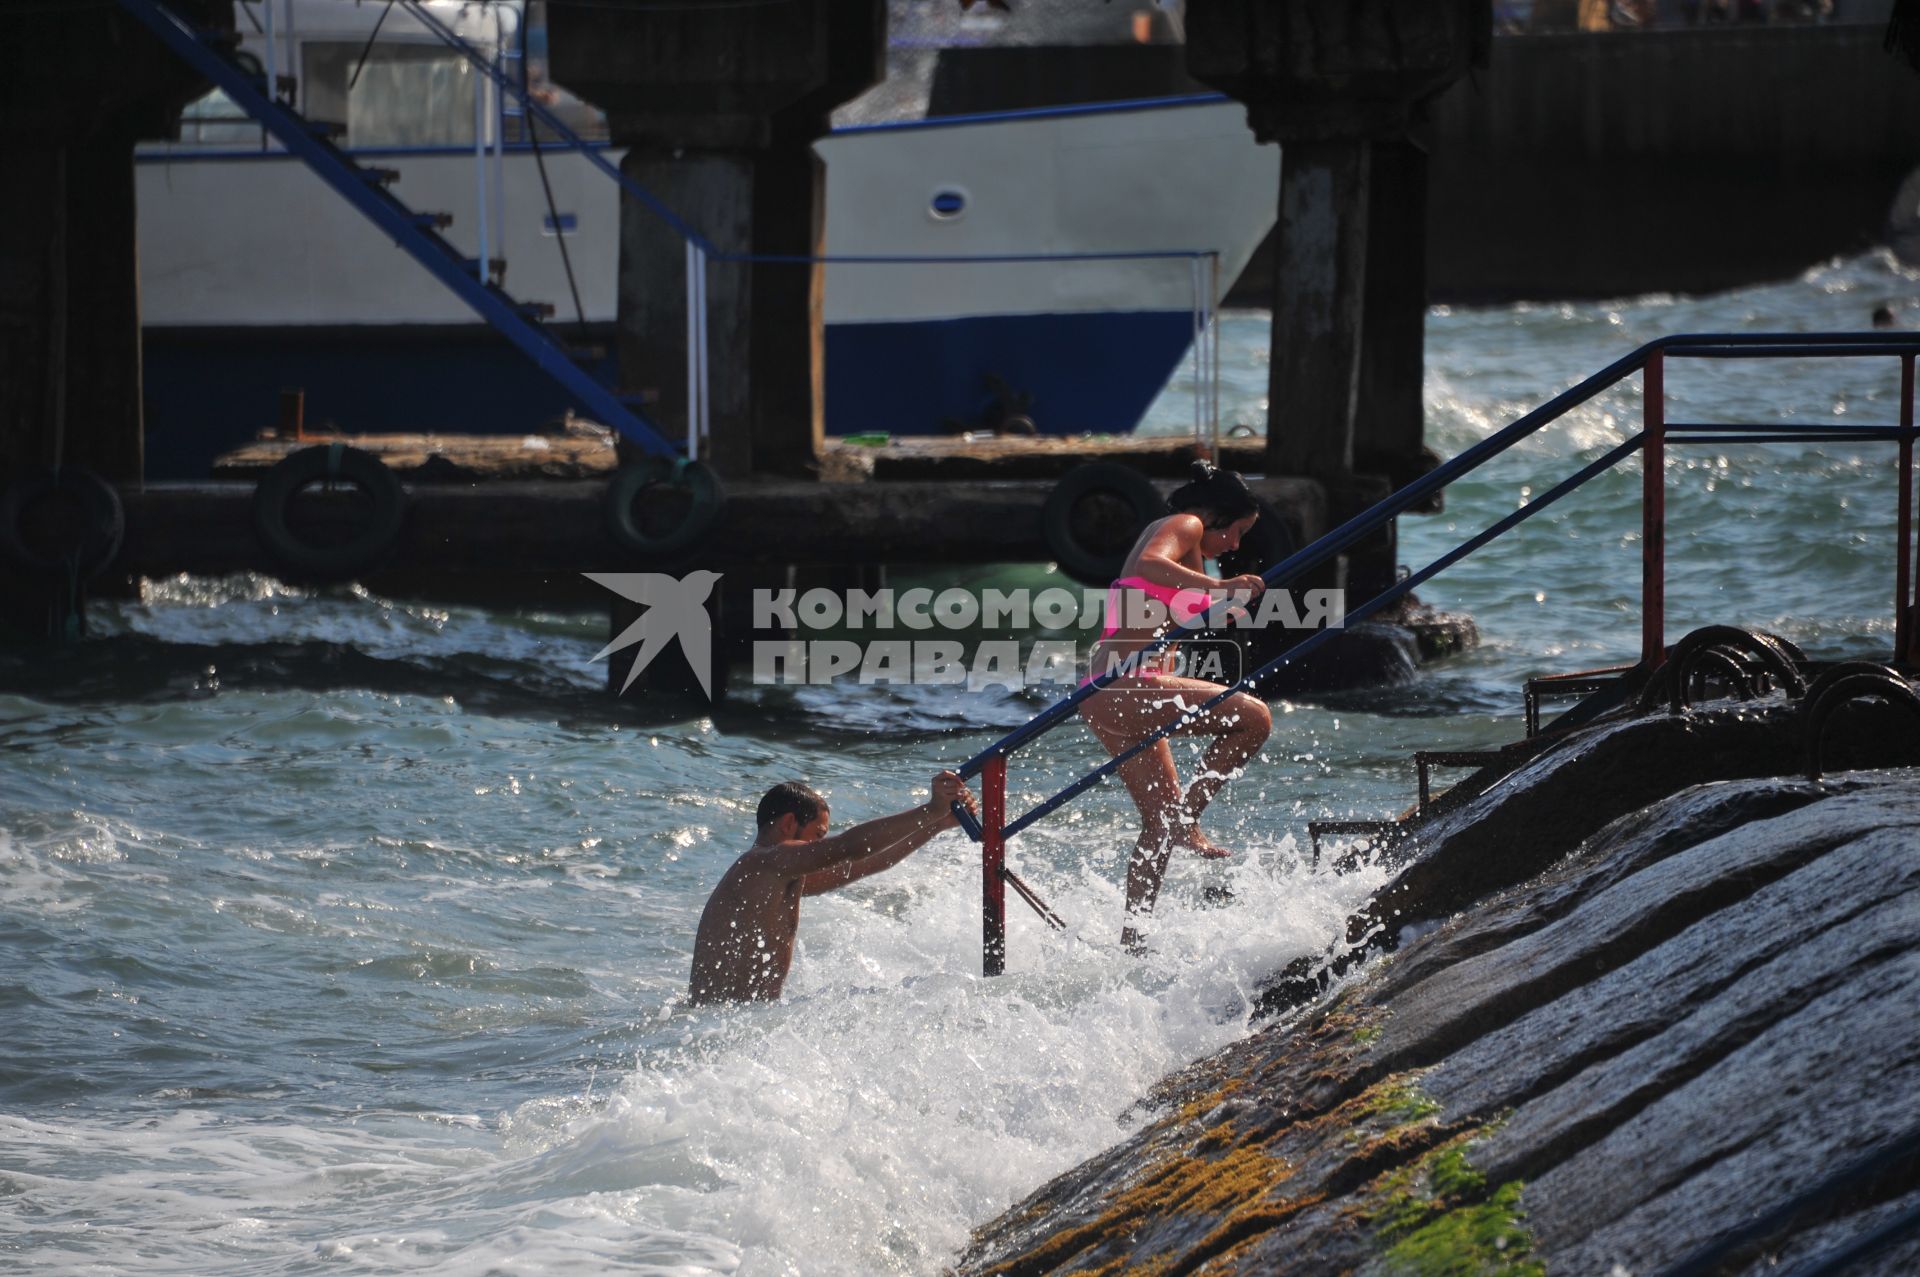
(745, 942)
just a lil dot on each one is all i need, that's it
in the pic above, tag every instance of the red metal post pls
(1653, 514)
(993, 861)
(1906, 586)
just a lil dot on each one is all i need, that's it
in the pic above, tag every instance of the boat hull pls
(1075, 304)
(210, 390)
(1072, 373)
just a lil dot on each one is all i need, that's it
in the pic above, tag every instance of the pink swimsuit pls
(1182, 605)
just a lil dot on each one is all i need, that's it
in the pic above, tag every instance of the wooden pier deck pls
(587, 452)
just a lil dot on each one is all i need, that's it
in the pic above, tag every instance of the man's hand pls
(949, 789)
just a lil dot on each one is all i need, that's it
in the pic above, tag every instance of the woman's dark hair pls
(790, 798)
(1221, 494)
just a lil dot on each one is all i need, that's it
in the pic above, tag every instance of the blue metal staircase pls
(993, 828)
(211, 53)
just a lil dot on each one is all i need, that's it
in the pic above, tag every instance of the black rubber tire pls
(103, 523)
(1098, 565)
(328, 463)
(702, 486)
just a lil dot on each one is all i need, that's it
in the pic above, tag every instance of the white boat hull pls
(255, 278)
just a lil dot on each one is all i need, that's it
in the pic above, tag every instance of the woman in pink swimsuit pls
(1168, 566)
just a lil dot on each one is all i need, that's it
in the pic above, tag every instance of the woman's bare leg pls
(1145, 869)
(1123, 714)
(1249, 722)
(1147, 866)
(1154, 784)
(1129, 710)
(1149, 775)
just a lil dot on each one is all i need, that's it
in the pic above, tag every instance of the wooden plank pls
(586, 452)
(1028, 457)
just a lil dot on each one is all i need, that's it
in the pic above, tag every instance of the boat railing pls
(994, 828)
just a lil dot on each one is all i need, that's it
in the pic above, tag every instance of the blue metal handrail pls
(360, 188)
(1341, 538)
(1707, 346)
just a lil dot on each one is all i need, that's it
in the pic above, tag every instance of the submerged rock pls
(1676, 1032)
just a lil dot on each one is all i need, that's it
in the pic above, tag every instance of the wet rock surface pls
(1674, 1031)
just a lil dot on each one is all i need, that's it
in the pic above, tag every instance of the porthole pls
(948, 203)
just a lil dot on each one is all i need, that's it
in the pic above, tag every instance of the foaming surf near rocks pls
(1642, 1005)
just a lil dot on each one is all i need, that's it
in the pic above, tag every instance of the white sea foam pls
(894, 1100)
(898, 1097)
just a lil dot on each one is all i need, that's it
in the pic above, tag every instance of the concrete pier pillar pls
(761, 317)
(719, 106)
(96, 82)
(69, 291)
(670, 674)
(1389, 416)
(1389, 420)
(788, 309)
(713, 191)
(1319, 307)
(76, 344)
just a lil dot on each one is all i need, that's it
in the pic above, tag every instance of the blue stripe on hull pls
(209, 392)
(1085, 372)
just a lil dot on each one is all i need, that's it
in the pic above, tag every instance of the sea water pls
(343, 934)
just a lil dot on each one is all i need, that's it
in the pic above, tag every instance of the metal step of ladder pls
(1600, 688)
(1380, 833)
(214, 54)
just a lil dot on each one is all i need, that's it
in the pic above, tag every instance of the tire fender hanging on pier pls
(329, 463)
(661, 507)
(1090, 540)
(79, 544)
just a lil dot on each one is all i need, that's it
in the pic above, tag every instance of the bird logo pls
(676, 607)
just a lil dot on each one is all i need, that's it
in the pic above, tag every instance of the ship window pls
(406, 94)
(948, 203)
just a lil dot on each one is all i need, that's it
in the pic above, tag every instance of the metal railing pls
(994, 829)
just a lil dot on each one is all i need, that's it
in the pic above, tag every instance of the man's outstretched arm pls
(880, 844)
